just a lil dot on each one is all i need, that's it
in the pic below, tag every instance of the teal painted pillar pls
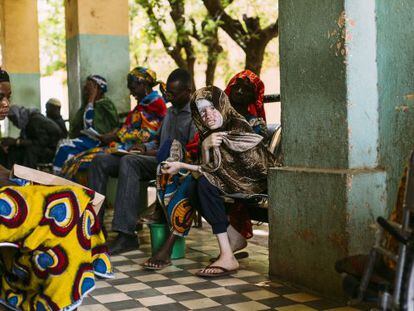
(395, 46)
(331, 188)
(97, 43)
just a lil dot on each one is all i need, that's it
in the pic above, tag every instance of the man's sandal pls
(156, 264)
(223, 272)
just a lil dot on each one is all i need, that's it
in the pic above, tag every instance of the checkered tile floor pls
(177, 288)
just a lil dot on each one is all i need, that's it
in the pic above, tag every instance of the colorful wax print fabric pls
(52, 247)
(173, 191)
(140, 127)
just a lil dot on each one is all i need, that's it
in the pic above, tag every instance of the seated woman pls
(37, 140)
(139, 129)
(246, 92)
(51, 243)
(234, 160)
(97, 114)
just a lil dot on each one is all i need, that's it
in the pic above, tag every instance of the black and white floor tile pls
(177, 288)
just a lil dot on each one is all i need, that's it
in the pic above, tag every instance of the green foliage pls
(52, 36)
(145, 44)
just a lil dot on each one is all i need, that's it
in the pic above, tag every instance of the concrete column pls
(97, 42)
(20, 50)
(332, 186)
(395, 50)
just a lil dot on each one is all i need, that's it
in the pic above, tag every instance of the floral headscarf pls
(145, 74)
(240, 164)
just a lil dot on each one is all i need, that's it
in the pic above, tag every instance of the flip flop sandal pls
(223, 272)
(238, 256)
(158, 267)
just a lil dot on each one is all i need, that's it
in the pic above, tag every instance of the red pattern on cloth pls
(192, 148)
(256, 108)
(156, 107)
(239, 218)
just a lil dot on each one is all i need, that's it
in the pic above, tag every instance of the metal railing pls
(271, 98)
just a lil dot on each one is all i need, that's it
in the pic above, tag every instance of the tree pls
(52, 36)
(208, 36)
(251, 37)
(182, 50)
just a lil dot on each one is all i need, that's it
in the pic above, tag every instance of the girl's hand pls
(214, 140)
(171, 168)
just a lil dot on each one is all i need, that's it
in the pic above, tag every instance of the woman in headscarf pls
(246, 92)
(96, 117)
(37, 140)
(52, 246)
(234, 160)
(139, 129)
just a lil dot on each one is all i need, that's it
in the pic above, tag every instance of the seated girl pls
(234, 160)
(97, 115)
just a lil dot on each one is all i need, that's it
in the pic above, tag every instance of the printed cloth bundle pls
(52, 247)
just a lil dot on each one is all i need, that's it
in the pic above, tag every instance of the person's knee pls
(98, 162)
(203, 186)
(130, 164)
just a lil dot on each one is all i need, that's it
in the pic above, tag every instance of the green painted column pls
(97, 43)
(332, 186)
(395, 46)
(20, 51)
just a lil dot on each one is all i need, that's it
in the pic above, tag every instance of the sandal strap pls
(217, 267)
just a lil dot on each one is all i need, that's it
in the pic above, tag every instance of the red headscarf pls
(255, 109)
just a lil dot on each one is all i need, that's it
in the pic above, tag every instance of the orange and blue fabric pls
(173, 191)
(52, 247)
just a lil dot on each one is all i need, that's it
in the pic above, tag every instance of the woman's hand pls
(214, 140)
(106, 139)
(93, 93)
(171, 168)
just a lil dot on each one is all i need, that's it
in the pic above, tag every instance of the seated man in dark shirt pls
(132, 169)
(37, 140)
(53, 106)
